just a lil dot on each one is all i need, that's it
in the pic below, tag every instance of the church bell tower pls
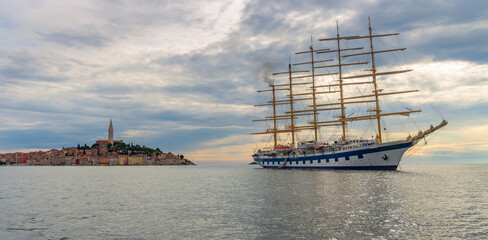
(111, 133)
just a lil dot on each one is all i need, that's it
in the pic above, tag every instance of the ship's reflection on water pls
(336, 204)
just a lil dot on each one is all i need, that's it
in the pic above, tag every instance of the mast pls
(274, 116)
(374, 81)
(343, 115)
(291, 107)
(314, 101)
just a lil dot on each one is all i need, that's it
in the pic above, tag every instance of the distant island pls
(102, 153)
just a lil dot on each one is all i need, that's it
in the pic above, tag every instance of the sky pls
(183, 75)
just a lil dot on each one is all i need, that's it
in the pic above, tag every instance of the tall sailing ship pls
(302, 86)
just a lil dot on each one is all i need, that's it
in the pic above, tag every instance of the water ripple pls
(243, 202)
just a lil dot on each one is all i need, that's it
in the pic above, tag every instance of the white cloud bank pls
(457, 83)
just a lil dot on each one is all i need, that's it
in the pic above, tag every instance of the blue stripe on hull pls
(390, 167)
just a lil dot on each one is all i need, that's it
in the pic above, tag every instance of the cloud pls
(26, 65)
(77, 39)
(458, 83)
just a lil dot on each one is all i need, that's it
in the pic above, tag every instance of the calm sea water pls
(243, 202)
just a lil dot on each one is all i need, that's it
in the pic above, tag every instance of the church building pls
(104, 143)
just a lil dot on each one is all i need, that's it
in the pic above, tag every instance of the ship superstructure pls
(303, 97)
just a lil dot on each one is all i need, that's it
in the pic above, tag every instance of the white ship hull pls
(385, 156)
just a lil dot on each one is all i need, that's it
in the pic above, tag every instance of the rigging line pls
(404, 55)
(390, 105)
(326, 69)
(437, 110)
(421, 146)
(360, 107)
(426, 139)
(424, 118)
(369, 128)
(397, 60)
(402, 129)
(385, 126)
(416, 118)
(416, 125)
(413, 152)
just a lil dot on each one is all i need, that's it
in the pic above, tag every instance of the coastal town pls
(102, 153)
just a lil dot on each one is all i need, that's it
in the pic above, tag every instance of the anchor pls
(384, 157)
